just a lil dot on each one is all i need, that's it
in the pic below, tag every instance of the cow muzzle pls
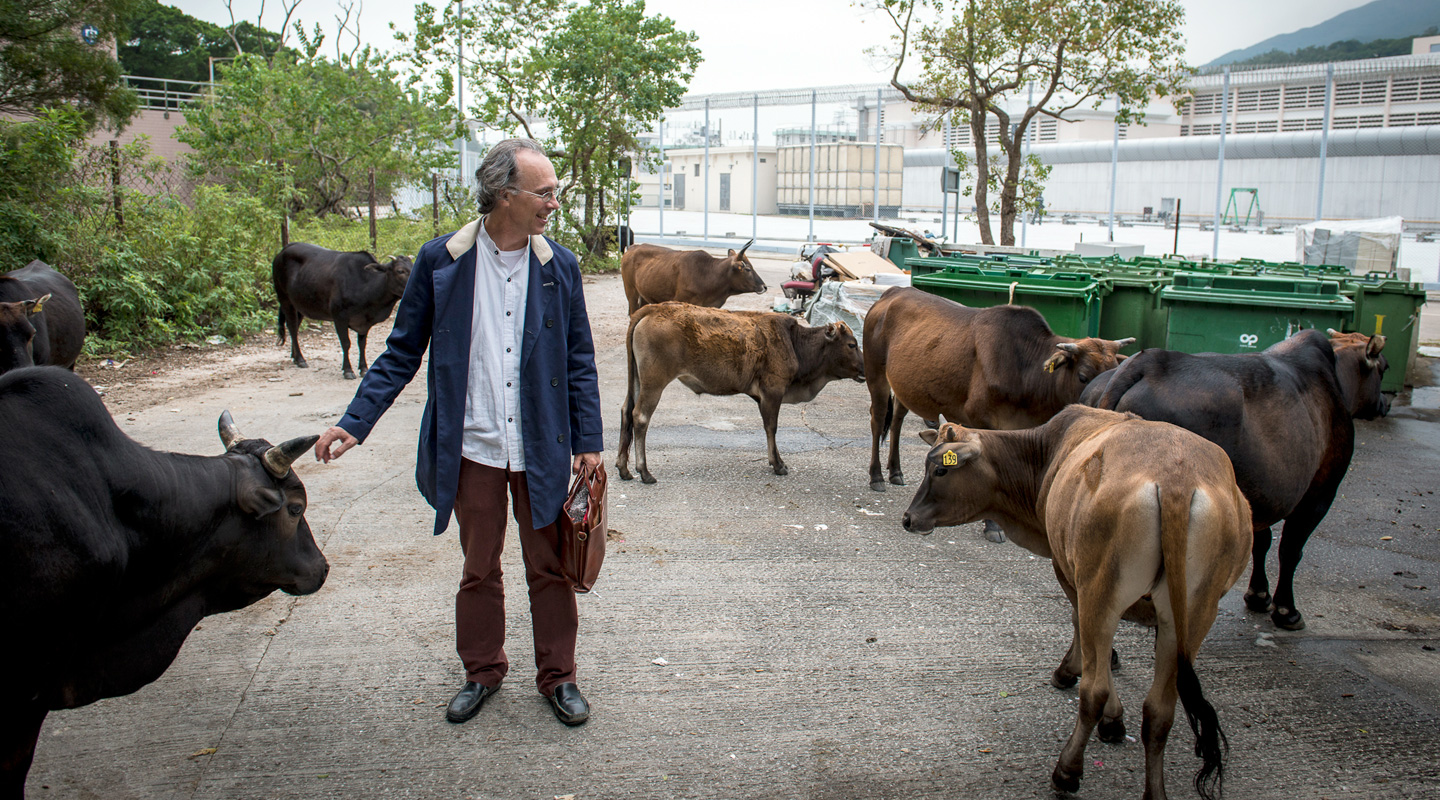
(915, 524)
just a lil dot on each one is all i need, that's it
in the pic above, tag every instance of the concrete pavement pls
(810, 647)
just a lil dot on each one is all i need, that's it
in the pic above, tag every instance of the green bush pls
(177, 272)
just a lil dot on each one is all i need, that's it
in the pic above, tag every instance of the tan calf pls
(772, 358)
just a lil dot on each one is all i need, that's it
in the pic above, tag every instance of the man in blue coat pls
(513, 404)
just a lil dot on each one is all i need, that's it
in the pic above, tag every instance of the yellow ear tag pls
(949, 459)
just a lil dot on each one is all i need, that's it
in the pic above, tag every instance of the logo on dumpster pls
(1248, 340)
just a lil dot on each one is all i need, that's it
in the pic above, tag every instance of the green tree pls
(35, 161)
(584, 79)
(165, 42)
(46, 62)
(330, 122)
(978, 58)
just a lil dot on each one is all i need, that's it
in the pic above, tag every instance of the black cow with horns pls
(111, 552)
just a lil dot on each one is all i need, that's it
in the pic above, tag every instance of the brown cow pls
(1125, 509)
(1285, 416)
(1000, 367)
(772, 358)
(654, 274)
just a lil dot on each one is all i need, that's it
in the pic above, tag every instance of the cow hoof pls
(1061, 679)
(782, 470)
(625, 474)
(1288, 618)
(877, 486)
(995, 535)
(1064, 781)
(349, 376)
(302, 364)
(897, 479)
(1259, 602)
(1112, 731)
(645, 477)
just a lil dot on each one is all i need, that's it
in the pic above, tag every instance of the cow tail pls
(279, 301)
(1210, 742)
(1130, 372)
(889, 416)
(632, 381)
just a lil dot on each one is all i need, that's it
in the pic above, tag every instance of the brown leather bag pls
(582, 529)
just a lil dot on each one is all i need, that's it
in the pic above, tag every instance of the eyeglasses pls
(546, 197)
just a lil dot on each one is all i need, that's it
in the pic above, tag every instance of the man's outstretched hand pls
(331, 436)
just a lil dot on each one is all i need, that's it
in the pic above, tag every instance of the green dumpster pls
(1391, 307)
(1133, 308)
(1070, 302)
(1214, 313)
(902, 249)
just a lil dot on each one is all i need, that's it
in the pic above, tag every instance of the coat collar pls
(464, 239)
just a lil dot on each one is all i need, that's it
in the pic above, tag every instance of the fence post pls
(373, 245)
(115, 183)
(435, 202)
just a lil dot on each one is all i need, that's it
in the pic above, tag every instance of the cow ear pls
(37, 305)
(259, 500)
(1056, 361)
(375, 266)
(1377, 343)
(732, 254)
(929, 436)
(832, 331)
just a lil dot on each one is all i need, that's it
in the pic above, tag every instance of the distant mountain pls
(1381, 19)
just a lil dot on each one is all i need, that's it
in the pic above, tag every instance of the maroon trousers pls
(480, 602)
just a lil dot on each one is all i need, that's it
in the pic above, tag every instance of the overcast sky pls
(752, 45)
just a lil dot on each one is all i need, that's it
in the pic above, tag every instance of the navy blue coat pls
(559, 389)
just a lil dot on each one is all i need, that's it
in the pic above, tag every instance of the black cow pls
(1285, 417)
(110, 552)
(41, 321)
(352, 290)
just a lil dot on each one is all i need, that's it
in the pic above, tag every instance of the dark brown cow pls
(654, 274)
(1125, 509)
(1285, 416)
(772, 358)
(1000, 368)
(352, 290)
(41, 321)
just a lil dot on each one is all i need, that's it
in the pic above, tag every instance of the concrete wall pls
(158, 125)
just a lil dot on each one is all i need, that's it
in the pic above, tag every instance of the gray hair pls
(497, 171)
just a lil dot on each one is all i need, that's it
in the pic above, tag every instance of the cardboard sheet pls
(859, 264)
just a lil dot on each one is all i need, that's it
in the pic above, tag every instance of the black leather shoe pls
(569, 705)
(468, 700)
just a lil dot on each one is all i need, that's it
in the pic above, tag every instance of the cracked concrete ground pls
(752, 636)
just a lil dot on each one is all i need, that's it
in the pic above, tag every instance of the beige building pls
(735, 177)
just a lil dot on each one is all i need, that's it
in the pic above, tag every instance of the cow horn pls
(746, 247)
(229, 434)
(1126, 342)
(277, 459)
(1071, 347)
(1331, 332)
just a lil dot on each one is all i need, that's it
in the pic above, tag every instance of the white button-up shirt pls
(492, 399)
